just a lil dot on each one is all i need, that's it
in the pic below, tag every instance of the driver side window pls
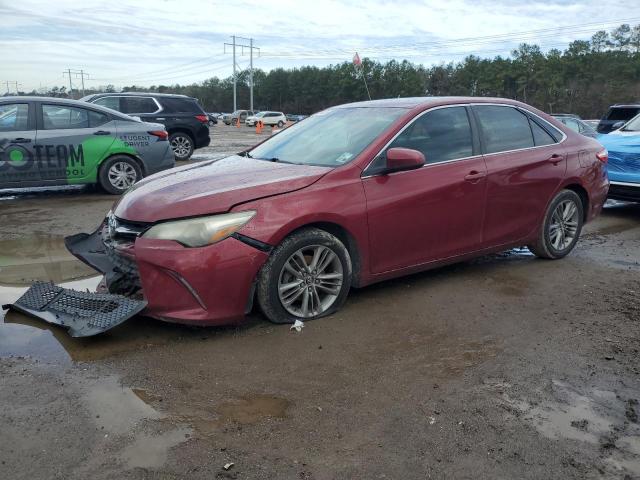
(441, 135)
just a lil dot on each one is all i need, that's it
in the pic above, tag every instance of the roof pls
(415, 102)
(64, 101)
(138, 94)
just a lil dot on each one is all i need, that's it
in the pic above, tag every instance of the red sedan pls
(352, 195)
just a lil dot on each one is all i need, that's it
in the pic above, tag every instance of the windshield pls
(633, 125)
(622, 113)
(330, 138)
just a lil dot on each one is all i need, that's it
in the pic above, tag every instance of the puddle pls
(598, 418)
(124, 417)
(38, 257)
(116, 409)
(151, 451)
(252, 409)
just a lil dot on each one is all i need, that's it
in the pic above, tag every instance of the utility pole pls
(251, 74)
(78, 74)
(235, 106)
(11, 82)
(251, 48)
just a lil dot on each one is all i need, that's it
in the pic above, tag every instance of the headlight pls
(198, 232)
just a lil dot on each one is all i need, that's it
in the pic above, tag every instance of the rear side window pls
(132, 105)
(622, 113)
(540, 135)
(180, 105)
(503, 128)
(109, 102)
(56, 117)
(14, 117)
(442, 134)
(97, 118)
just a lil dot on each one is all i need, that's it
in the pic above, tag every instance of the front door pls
(71, 141)
(434, 212)
(18, 164)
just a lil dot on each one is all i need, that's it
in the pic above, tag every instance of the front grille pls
(125, 229)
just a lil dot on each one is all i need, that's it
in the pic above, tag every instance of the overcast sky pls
(149, 42)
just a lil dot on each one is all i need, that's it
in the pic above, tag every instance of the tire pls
(118, 173)
(182, 145)
(280, 124)
(326, 295)
(561, 226)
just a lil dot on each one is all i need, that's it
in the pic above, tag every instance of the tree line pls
(584, 79)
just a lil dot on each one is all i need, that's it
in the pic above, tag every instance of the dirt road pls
(503, 367)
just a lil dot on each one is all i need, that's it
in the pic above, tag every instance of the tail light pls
(161, 134)
(202, 118)
(603, 155)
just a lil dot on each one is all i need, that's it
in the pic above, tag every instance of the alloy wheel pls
(181, 146)
(310, 281)
(122, 175)
(563, 226)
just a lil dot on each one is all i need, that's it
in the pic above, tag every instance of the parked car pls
(232, 118)
(624, 161)
(53, 141)
(182, 116)
(295, 118)
(268, 118)
(353, 195)
(575, 123)
(616, 116)
(213, 118)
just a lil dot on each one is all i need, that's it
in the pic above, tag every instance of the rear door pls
(71, 141)
(525, 165)
(18, 162)
(147, 108)
(436, 211)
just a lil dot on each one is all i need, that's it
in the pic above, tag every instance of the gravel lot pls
(503, 367)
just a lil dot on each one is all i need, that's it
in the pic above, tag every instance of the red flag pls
(356, 60)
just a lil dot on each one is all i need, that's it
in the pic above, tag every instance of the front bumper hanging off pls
(82, 313)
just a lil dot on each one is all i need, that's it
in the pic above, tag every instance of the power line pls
(11, 82)
(77, 74)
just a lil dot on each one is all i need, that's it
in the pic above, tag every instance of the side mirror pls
(617, 125)
(399, 159)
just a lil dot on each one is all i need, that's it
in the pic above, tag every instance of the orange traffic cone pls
(238, 122)
(258, 127)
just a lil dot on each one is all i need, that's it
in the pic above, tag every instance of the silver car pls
(53, 141)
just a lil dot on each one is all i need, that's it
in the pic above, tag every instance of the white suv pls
(268, 118)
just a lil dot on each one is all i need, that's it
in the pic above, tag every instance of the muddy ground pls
(504, 367)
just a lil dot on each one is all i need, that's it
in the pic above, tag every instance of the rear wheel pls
(182, 145)
(118, 173)
(307, 276)
(561, 226)
(280, 124)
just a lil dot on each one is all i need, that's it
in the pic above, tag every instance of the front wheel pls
(118, 173)
(182, 145)
(307, 276)
(561, 226)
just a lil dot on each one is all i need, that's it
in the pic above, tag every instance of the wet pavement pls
(502, 367)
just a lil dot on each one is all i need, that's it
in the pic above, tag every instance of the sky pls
(152, 42)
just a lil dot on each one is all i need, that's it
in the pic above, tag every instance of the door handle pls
(21, 140)
(102, 132)
(160, 118)
(555, 158)
(475, 176)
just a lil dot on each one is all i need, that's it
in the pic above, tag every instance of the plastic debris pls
(228, 466)
(297, 326)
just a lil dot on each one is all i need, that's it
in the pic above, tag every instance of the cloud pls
(150, 42)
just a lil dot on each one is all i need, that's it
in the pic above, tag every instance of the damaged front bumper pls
(163, 279)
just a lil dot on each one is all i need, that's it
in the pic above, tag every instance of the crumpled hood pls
(211, 187)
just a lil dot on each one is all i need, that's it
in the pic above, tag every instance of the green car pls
(52, 141)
